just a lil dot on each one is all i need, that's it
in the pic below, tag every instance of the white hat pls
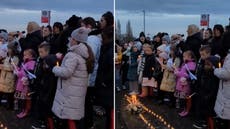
(80, 34)
(162, 48)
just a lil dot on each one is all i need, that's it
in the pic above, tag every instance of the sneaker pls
(38, 125)
(199, 124)
(184, 114)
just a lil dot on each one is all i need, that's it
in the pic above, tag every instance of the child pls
(118, 61)
(22, 86)
(132, 71)
(207, 88)
(7, 78)
(48, 84)
(182, 86)
(168, 83)
(148, 82)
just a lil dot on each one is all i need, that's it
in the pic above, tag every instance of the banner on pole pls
(45, 18)
(204, 21)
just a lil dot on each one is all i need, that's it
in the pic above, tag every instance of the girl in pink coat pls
(22, 89)
(182, 92)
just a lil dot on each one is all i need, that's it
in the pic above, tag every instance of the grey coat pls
(222, 106)
(70, 95)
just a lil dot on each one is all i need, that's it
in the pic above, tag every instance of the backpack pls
(90, 60)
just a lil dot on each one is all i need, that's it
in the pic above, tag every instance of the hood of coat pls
(80, 49)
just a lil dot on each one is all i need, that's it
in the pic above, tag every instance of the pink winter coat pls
(183, 86)
(29, 65)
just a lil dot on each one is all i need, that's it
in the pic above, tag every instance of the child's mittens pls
(25, 81)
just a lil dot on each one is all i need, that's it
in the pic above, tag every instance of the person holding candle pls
(182, 85)
(47, 86)
(72, 84)
(132, 71)
(206, 90)
(150, 65)
(222, 104)
(7, 78)
(22, 86)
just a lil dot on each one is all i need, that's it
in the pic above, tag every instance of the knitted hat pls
(142, 34)
(162, 48)
(219, 27)
(80, 34)
(4, 35)
(166, 38)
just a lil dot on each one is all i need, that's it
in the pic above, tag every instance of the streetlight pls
(144, 20)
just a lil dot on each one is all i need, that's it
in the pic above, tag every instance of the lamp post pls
(144, 19)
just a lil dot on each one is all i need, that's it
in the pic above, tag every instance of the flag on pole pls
(204, 20)
(45, 18)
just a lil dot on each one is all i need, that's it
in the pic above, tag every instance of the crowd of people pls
(57, 74)
(191, 75)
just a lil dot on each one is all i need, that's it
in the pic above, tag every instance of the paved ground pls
(126, 120)
(8, 119)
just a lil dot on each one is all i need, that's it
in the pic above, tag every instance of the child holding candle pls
(182, 85)
(47, 86)
(7, 78)
(22, 86)
(132, 71)
(148, 81)
(207, 88)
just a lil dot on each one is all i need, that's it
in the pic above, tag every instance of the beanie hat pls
(74, 21)
(219, 27)
(80, 34)
(166, 38)
(142, 34)
(162, 48)
(4, 35)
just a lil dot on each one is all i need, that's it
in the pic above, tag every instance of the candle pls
(57, 64)
(219, 64)
(152, 68)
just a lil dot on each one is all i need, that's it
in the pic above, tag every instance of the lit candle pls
(219, 64)
(1, 125)
(57, 64)
(152, 68)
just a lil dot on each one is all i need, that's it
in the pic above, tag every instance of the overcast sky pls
(15, 14)
(170, 16)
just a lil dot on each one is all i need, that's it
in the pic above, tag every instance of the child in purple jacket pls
(22, 86)
(182, 92)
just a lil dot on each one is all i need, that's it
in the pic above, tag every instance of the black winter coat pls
(207, 85)
(105, 76)
(217, 47)
(193, 43)
(31, 41)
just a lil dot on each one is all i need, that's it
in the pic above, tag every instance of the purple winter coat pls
(183, 73)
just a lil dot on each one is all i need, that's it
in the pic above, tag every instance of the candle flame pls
(219, 64)
(134, 99)
(57, 64)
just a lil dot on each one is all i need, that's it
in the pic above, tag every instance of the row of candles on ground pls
(133, 100)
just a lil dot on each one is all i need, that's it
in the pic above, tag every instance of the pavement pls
(169, 116)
